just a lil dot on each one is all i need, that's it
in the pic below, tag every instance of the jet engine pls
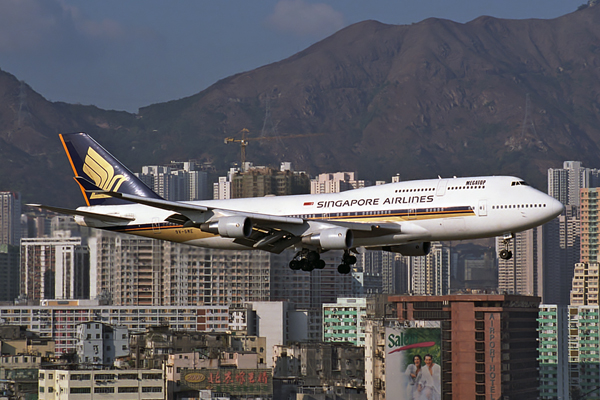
(410, 249)
(331, 239)
(230, 227)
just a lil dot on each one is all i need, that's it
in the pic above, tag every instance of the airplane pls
(403, 217)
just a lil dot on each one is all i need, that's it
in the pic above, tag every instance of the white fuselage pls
(425, 210)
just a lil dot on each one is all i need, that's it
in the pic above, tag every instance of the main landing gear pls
(347, 260)
(307, 261)
(505, 253)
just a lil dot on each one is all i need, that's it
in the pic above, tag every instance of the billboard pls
(413, 368)
(234, 381)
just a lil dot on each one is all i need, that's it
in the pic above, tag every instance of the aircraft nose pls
(556, 206)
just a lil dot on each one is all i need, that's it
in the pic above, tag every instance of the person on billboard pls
(413, 371)
(430, 384)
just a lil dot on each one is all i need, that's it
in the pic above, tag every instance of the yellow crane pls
(244, 141)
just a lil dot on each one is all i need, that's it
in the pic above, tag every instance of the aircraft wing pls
(269, 232)
(102, 217)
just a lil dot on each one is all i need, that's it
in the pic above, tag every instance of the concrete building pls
(523, 273)
(9, 272)
(264, 181)
(19, 376)
(56, 267)
(489, 345)
(585, 284)
(584, 352)
(430, 274)
(58, 319)
(128, 269)
(99, 344)
(336, 182)
(10, 218)
(344, 321)
(94, 384)
(561, 238)
(553, 352)
(319, 370)
(590, 246)
(565, 183)
(180, 368)
(178, 181)
(15, 339)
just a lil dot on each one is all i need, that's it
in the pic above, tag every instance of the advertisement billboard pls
(413, 368)
(234, 381)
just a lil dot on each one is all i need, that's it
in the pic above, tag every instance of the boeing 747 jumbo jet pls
(401, 217)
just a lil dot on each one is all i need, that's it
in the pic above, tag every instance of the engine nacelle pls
(410, 249)
(331, 239)
(230, 227)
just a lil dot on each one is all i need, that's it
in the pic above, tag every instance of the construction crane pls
(244, 141)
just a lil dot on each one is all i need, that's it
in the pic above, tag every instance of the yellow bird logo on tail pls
(102, 173)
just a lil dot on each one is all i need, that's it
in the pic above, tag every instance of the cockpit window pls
(517, 183)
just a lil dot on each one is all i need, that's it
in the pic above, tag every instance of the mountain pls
(491, 96)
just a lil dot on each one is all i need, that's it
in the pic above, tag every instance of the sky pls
(123, 55)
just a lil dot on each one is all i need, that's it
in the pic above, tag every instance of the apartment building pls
(344, 321)
(59, 319)
(113, 384)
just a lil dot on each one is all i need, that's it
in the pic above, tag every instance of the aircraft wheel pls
(509, 255)
(295, 265)
(313, 257)
(305, 265)
(505, 254)
(349, 259)
(320, 264)
(343, 268)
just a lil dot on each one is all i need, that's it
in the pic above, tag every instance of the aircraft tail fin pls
(92, 162)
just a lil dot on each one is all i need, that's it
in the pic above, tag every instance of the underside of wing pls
(116, 219)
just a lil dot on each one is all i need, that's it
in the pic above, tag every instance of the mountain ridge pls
(434, 97)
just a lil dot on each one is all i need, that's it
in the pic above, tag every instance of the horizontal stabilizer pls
(86, 214)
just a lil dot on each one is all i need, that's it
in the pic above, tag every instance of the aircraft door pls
(412, 213)
(441, 188)
(482, 208)
(155, 226)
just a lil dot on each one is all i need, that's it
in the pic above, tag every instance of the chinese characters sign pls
(230, 380)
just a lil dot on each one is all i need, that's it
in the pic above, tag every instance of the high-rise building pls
(584, 291)
(10, 218)
(561, 253)
(336, 182)
(522, 274)
(584, 352)
(9, 272)
(430, 274)
(344, 320)
(564, 183)
(54, 268)
(130, 270)
(590, 246)
(264, 181)
(553, 352)
(488, 349)
(178, 181)
(127, 269)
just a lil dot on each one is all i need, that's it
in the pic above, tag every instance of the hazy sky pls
(124, 55)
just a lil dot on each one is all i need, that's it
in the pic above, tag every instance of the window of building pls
(78, 390)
